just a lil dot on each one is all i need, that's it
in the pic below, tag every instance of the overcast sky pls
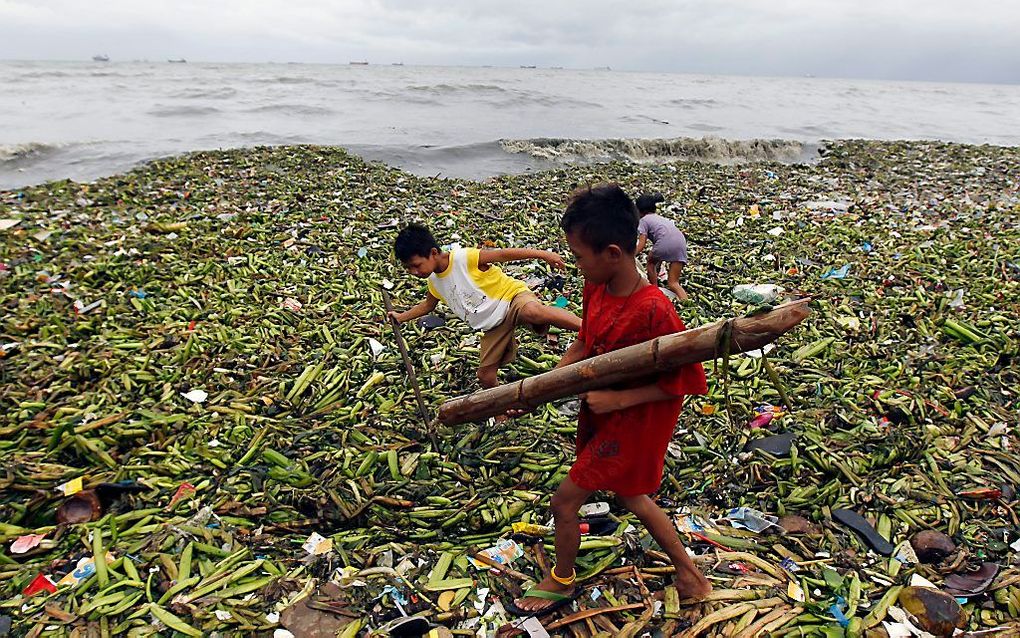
(950, 40)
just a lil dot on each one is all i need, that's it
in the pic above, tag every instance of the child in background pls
(668, 244)
(622, 432)
(476, 290)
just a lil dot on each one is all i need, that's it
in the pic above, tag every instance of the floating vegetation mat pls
(206, 427)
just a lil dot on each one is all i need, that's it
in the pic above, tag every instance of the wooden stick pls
(410, 370)
(627, 364)
(482, 558)
(716, 617)
(541, 558)
(606, 625)
(645, 594)
(588, 613)
(631, 629)
(770, 622)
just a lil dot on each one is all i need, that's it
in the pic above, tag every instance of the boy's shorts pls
(499, 346)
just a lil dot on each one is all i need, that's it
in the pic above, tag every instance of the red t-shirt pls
(623, 451)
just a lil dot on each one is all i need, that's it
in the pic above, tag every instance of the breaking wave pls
(218, 93)
(182, 111)
(489, 94)
(292, 109)
(456, 89)
(30, 150)
(705, 149)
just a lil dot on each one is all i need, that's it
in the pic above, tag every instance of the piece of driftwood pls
(627, 364)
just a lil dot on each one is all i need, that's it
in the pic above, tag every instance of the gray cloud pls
(908, 39)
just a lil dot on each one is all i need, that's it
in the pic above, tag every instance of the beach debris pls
(858, 525)
(776, 445)
(316, 544)
(376, 347)
(751, 519)
(196, 396)
(836, 273)
(757, 294)
(760, 352)
(82, 308)
(320, 614)
(81, 507)
(25, 543)
(504, 553)
(41, 583)
(932, 546)
(598, 508)
(794, 524)
(431, 322)
(69, 488)
(956, 298)
(936, 612)
(897, 416)
(971, 582)
(764, 416)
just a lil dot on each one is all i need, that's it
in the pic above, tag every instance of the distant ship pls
(396, 64)
(362, 63)
(180, 61)
(528, 66)
(100, 58)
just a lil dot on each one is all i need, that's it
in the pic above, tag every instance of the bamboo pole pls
(640, 360)
(424, 411)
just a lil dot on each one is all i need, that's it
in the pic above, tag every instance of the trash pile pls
(206, 426)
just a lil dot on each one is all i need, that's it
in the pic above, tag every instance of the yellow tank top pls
(479, 297)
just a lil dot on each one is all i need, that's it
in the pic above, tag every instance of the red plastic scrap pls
(185, 489)
(40, 583)
(982, 494)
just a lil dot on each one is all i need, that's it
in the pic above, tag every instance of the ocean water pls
(83, 120)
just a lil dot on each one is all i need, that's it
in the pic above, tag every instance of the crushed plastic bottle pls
(757, 293)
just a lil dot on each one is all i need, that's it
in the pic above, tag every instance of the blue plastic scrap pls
(837, 611)
(789, 565)
(394, 593)
(833, 273)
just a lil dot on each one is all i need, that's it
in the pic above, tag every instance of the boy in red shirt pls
(622, 432)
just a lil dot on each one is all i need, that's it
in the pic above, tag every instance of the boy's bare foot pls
(692, 585)
(680, 293)
(529, 603)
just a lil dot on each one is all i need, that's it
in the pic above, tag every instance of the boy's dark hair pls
(602, 215)
(646, 203)
(412, 240)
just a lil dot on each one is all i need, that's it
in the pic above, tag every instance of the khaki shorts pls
(499, 345)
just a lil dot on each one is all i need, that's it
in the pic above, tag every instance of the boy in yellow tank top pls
(476, 290)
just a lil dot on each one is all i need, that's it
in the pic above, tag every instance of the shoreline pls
(475, 162)
(504, 157)
(193, 260)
